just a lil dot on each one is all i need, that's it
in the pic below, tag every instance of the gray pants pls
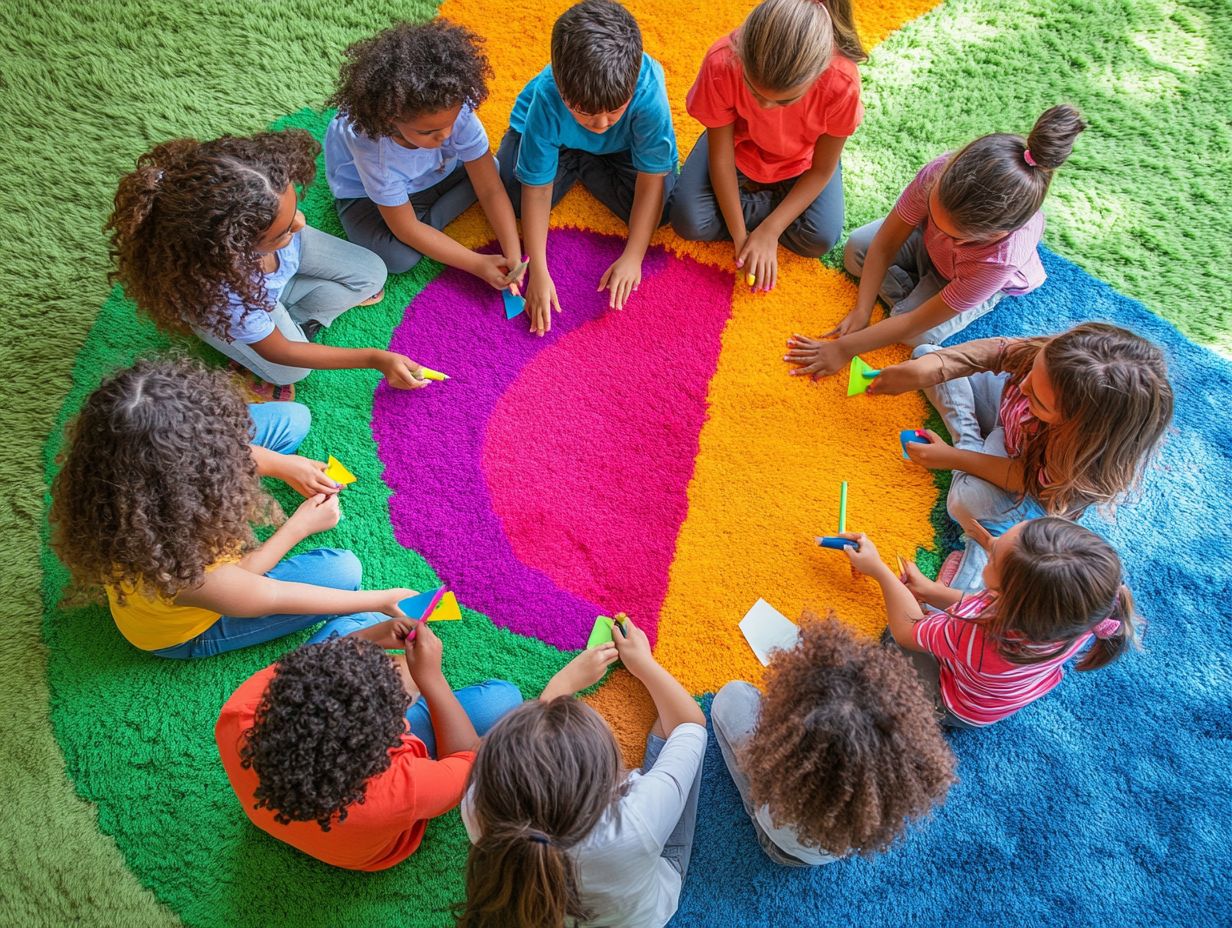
(333, 276)
(679, 847)
(438, 206)
(911, 281)
(928, 671)
(970, 407)
(696, 215)
(612, 179)
(733, 713)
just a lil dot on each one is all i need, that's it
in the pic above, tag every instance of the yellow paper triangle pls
(336, 472)
(446, 610)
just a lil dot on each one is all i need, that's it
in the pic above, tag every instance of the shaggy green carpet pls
(85, 87)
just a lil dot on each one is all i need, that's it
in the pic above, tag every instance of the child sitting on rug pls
(961, 236)
(158, 486)
(597, 114)
(1051, 588)
(1041, 426)
(208, 237)
(839, 754)
(345, 753)
(562, 835)
(406, 154)
(779, 98)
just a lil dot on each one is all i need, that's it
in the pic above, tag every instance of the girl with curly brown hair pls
(345, 752)
(154, 500)
(1042, 426)
(839, 754)
(561, 834)
(1052, 589)
(207, 237)
(406, 154)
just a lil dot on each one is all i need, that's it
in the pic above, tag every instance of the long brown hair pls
(543, 778)
(187, 219)
(846, 39)
(998, 182)
(846, 749)
(1115, 403)
(158, 481)
(784, 44)
(1058, 583)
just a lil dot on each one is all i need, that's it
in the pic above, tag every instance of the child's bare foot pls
(373, 299)
(257, 390)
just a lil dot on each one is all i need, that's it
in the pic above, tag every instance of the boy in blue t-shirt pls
(406, 154)
(597, 114)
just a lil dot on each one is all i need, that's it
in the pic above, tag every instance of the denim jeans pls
(696, 215)
(928, 671)
(280, 427)
(910, 281)
(484, 703)
(334, 275)
(970, 407)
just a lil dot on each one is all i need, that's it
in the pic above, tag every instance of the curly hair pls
(324, 729)
(187, 219)
(409, 70)
(158, 481)
(846, 749)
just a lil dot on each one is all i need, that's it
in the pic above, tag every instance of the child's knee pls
(401, 260)
(853, 257)
(372, 268)
(809, 241)
(298, 419)
(690, 221)
(734, 709)
(341, 569)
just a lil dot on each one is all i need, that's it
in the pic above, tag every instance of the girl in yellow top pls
(159, 485)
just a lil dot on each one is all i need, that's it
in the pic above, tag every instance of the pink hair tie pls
(1026, 156)
(1107, 628)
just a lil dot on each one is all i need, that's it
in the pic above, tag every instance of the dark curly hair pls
(158, 481)
(408, 70)
(323, 729)
(186, 221)
(846, 749)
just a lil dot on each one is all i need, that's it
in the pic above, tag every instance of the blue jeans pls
(484, 703)
(679, 847)
(970, 407)
(328, 567)
(280, 427)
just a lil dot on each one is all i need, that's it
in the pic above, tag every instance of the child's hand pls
(893, 380)
(621, 279)
(936, 455)
(541, 299)
(391, 598)
(863, 555)
(760, 258)
(401, 372)
(814, 357)
(854, 321)
(305, 476)
(585, 670)
(921, 587)
(515, 284)
(390, 635)
(423, 655)
(316, 514)
(492, 270)
(976, 532)
(633, 647)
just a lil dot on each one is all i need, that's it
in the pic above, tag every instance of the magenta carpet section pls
(546, 481)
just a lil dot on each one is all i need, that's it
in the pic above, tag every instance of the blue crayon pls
(907, 437)
(837, 543)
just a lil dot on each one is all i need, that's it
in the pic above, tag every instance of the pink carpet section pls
(594, 499)
(585, 444)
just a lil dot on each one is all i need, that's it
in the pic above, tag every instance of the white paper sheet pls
(765, 628)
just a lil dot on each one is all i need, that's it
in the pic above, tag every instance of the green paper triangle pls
(857, 383)
(601, 633)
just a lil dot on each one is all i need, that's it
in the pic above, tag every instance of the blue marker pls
(838, 544)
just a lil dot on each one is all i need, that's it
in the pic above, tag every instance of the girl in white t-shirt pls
(561, 833)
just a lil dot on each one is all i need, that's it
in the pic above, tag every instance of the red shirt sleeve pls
(426, 787)
(712, 98)
(844, 112)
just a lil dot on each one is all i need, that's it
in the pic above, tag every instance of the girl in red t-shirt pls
(779, 98)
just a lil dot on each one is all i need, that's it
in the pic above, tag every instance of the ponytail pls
(1115, 634)
(520, 877)
(846, 39)
(995, 184)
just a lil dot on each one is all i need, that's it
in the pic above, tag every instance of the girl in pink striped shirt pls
(1052, 589)
(961, 236)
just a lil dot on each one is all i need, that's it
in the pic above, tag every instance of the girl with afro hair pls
(406, 154)
(207, 237)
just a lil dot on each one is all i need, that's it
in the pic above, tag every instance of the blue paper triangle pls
(414, 607)
(514, 304)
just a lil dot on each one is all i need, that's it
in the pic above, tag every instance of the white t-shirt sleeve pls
(469, 138)
(658, 796)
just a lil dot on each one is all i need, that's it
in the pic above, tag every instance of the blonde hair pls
(785, 44)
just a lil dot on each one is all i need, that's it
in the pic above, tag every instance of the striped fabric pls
(977, 683)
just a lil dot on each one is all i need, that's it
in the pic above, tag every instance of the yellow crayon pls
(428, 374)
(750, 279)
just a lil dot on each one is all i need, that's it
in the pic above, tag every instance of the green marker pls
(842, 508)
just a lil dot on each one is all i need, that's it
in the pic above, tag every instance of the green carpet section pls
(85, 87)
(1143, 203)
(159, 786)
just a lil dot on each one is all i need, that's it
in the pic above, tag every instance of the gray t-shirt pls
(622, 878)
